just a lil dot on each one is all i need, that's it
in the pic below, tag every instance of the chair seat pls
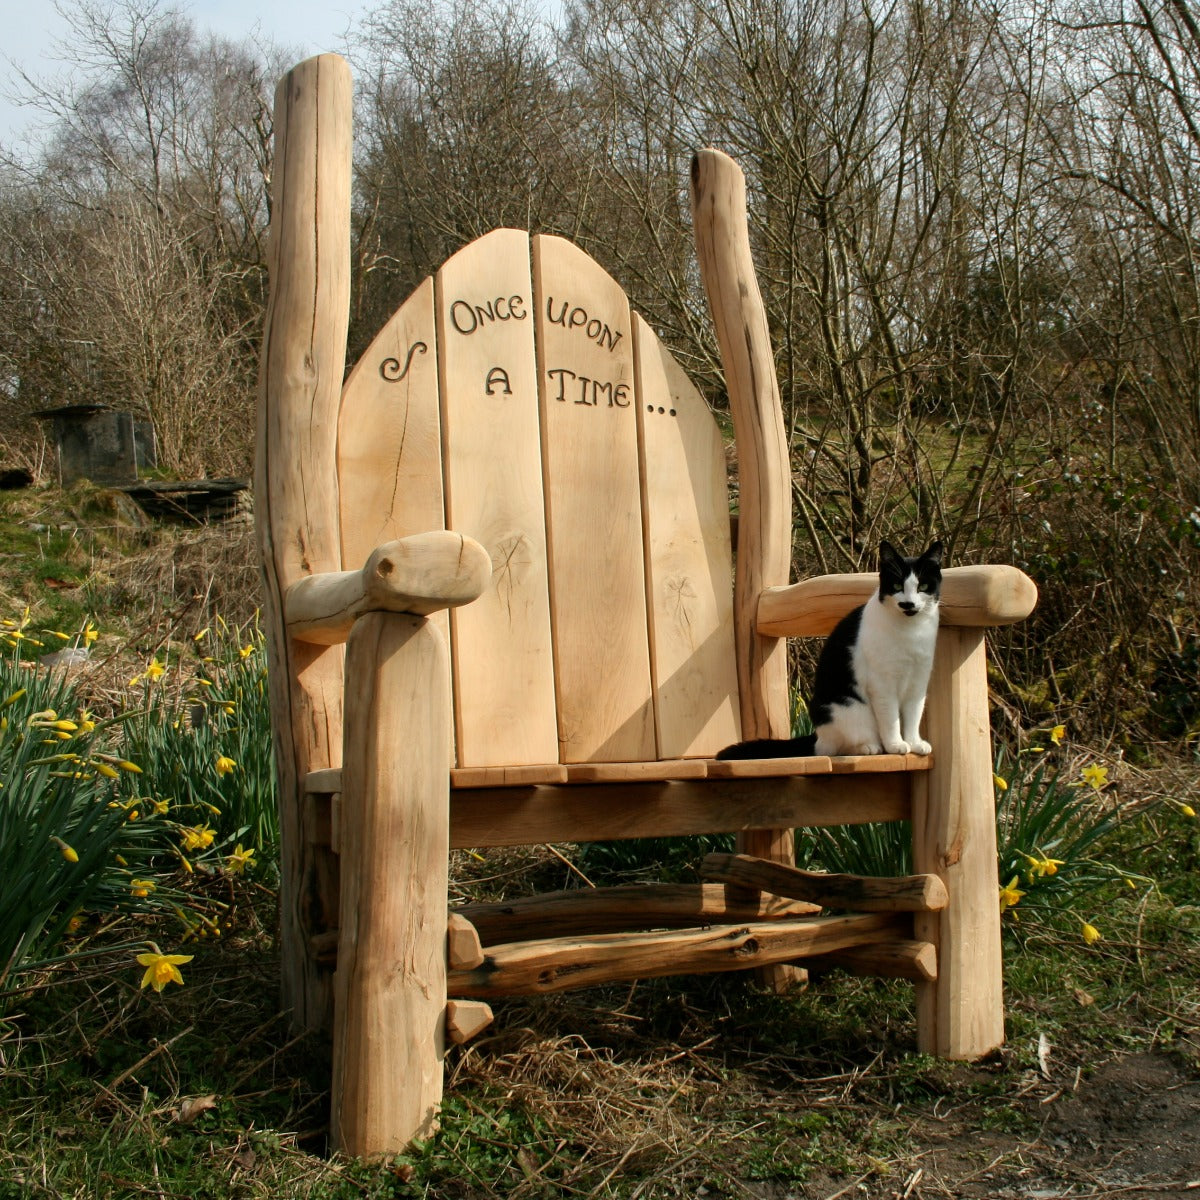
(466, 778)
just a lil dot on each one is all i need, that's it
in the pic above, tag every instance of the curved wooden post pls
(961, 1013)
(764, 468)
(395, 844)
(296, 501)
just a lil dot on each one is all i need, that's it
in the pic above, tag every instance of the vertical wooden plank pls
(296, 503)
(395, 839)
(593, 507)
(390, 435)
(390, 438)
(689, 567)
(502, 653)
(764, 470)
(961, 1013)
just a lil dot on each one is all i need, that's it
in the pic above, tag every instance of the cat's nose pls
(906, 606)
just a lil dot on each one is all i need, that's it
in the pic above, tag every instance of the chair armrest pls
(419, 574)
(973, 596)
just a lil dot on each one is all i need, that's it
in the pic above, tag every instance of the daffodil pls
(239, 860)
(1095, 776)
(162, 969)
(155, 670)
(199, 637)
(245, 651)
(161, 807)
(68, 852)
(13, 698)
(141, 888)
(1043, 865)
(1057, 733)
(1090, 933)
(90, 634)
(197, 837)
(1010, 894)
(225, 765)
(1000, 782)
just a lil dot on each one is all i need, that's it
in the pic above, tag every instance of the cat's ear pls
(888, 554)
(934, 554)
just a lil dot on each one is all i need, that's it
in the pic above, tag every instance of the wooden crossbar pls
(559, 964)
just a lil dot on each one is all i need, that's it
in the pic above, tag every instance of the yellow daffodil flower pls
(1090, 933)
(1058, 733)
(1043, 865)
(1010, 894)
(90, 634)
(1000, 782)
(155, 670)
(66, 851)
(141, 888)
(197, 837)
(239, 860)
(162, 969)
(13, 698)
(245, 651)
(199, 637)
(225, 765)
(1095, 776)
(106, 769)
(161, 807)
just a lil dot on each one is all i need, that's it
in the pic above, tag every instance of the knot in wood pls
(385, 567)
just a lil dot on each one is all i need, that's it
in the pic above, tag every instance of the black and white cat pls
(873, 672)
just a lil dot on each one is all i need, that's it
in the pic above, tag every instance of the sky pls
(28, 29)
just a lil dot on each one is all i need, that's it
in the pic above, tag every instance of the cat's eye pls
(924, 587)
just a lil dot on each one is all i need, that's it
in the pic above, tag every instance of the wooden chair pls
(514, 515)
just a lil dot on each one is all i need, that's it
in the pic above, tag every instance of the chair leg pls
(961, 1013)
(390, 986)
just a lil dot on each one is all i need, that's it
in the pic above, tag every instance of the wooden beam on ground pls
(893, 960)
(466, 1018)
(587, 911)
(463, 947)
(557, 964)
(859, 893)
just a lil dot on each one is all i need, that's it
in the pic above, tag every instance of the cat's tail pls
(799, 747)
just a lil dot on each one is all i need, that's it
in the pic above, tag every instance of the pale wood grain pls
(391, 976)
(678, 768)
(689, 571)
(502, 651)
(463, 947)
(718, 191)
(296, 501)
(593, 508)
(982, 595)
(389, 450)
(954, 836)
(558, 964)
(466, 1019)
(420, 574)
(860, 893)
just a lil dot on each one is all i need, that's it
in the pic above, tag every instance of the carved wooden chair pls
(502, 610)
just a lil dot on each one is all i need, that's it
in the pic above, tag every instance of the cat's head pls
(912, 585)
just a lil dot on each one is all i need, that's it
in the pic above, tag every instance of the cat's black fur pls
(836, 687)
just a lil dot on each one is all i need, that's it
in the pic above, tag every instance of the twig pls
(141, 1062)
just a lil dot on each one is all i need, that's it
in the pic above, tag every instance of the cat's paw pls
(920, 746)
(896, 747)
(867, 748)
